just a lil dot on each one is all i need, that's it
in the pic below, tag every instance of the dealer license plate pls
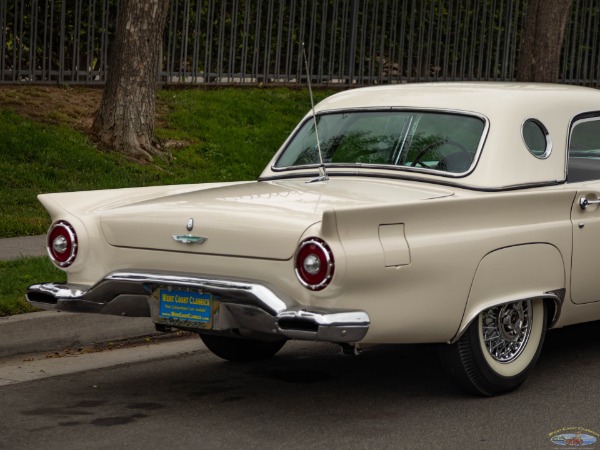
(179, 305)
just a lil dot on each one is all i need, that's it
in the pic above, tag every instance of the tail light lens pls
(314, 264)
(62, 243)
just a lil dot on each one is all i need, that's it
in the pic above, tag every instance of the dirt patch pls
(74, 107)
(71, 106)
(64, 105)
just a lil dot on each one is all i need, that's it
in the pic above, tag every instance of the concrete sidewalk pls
(51, 330)
(19, 247)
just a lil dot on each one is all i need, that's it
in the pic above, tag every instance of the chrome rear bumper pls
(244, 306)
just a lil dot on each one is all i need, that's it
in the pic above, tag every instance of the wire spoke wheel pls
(499, 349)
(506, 330)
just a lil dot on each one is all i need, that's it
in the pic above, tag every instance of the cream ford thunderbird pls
(462, 214)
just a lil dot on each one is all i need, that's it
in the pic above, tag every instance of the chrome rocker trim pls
(247, 307)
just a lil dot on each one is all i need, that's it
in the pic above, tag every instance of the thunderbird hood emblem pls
(189, 238)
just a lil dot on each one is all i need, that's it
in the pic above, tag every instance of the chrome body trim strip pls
(246, 306)
(189, 239)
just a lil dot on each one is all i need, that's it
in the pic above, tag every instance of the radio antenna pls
(322, 174)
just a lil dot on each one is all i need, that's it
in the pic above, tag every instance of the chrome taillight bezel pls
(65, 229)
(318, 247)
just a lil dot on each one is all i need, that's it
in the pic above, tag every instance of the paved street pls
(176, 394)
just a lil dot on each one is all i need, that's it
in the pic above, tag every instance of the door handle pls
(584, 202)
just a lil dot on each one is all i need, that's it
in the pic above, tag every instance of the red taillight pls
(62, 243)
(314, 264)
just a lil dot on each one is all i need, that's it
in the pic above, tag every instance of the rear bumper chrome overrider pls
(243, 305)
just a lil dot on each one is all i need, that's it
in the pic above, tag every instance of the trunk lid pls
(255, 219)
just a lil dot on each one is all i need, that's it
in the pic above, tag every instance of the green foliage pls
(371, 38)
(260, 41)
(17, 275)
(36, 30)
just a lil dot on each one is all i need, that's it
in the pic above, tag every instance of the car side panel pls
(425, 300)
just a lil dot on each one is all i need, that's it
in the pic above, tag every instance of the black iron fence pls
(349, 42)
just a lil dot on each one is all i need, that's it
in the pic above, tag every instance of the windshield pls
(446, 142)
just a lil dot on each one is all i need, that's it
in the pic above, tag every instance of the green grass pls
(17, 275)
(230, 134)
(37, 158)
(233, 132)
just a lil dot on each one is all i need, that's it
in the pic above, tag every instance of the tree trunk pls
(542, 40)
(125, 119)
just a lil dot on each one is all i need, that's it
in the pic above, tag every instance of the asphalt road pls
(177, 395)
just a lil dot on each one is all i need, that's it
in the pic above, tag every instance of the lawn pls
(213, 135)
(17, 275)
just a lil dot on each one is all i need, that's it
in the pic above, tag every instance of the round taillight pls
(62, 243)
(314, 264)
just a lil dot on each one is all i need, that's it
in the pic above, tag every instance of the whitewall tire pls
(499, 349)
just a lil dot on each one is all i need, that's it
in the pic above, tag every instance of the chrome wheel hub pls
(506, 330)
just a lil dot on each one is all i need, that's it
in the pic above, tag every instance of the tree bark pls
(542, 40)
(125, 119)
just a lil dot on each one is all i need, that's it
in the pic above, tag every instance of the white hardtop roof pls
(505, 161)
(482, 97)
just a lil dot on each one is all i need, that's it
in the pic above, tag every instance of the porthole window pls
(536, 138)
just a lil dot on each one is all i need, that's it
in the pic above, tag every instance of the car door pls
(583, 171)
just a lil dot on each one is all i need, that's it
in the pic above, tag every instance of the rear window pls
(432, 141)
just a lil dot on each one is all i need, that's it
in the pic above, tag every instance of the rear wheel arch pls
(499, 349)
(519, 272)
(516, 294)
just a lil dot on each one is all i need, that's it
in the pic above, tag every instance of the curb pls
(53, 330)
